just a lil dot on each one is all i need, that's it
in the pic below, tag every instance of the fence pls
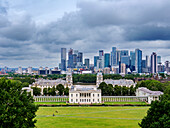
(104, 98)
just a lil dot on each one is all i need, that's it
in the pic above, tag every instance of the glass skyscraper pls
(132, 60)
(138, 60)
(125, 60)
(113, 57)
(70, 58)
(106, 60)
(154, 63)
(158, 59)
(124, 53)
(95, 60)
(87, 62)
(63, 59)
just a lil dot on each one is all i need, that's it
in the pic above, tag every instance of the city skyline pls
(33, 32)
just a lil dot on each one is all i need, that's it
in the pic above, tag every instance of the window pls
(71, 100)
(93, 100)
(80, 100)
(71, 95)
(76, 95)
(98, 100)
(93, 95)
(98, 95)
(76, 100)
(89, 100)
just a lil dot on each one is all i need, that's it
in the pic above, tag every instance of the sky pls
(32, 32)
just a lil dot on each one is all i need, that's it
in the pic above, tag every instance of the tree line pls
(109, 90)
(59, 90)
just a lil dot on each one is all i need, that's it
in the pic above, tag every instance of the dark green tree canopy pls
(17, 108)
(60, 89)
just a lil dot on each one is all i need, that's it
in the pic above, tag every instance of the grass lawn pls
(108, 103)
(90, 117)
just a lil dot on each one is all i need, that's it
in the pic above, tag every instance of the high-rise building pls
(29, 70)
(138, 60)
(124, 53)
(113, 57)
(154, 68)
(158, 59)
(143, 63)
(132, 60)
(167, 64)
(87, 62)
(70, 58)
(80, 57)
(147, 61)
(74, 60)
(125, 60)
(95, 60)
(63, 59)
(118, 56)
(20, 70)
(106, 60)
(123, 68)
(101, 57)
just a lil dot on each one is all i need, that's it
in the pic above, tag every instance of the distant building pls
(123, 69)
(132, 60)
(106, 70)
(159, 60)
(154, 67)
(138, 60)
(84, 94)
(125, 60)
(124, 53)
(106, 60)
(20, 70)
(29, 70)
(95, 60)
(87, 63)
(113, 57)
(152, 95)
(63, 59)
(121, 82)
(101, 57)
(70, 58)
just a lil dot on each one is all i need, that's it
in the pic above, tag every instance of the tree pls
(104, 89)
(66, 91)
(17, 108)
(53, 93)
(45, 92)
(60, 89)
(25, 84)
(158, 116)
(36, 91)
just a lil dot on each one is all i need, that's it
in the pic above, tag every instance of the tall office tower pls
(158, 59)
(70, 58)
(147, 61)
(101, 57)
(113, 57)
(118, 56)
(74, 60)
(106, 60)
(132, 61)
(138, 60)
(87, 62)
(95, 60)
(80, 57)
(167, 64)
(29, 70)
(125, 60)
(99, 64)
(76, 52)
(154, 67)
(143, 63)
(63, 59)
(124, 53)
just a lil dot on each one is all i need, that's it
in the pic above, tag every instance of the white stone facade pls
(84, 94)
(99, 78)
(152, 95)
(42, 83)
(121, 82)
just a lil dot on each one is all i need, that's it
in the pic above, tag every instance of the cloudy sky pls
(33, 31)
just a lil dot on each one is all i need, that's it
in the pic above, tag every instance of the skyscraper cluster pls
(115, 62)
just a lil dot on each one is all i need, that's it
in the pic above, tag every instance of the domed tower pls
(69, 80)
(99, 79)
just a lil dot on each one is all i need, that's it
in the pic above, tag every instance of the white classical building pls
(84, 94)
(28, 89)
(43, 83)
(121, 82)
(152, 95)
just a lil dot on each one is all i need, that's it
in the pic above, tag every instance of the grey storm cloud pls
(98, 24)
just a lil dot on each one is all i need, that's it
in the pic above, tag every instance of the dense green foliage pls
(153, 85)
(60, 89)
(17, 109)
(109, 90)
(36, 91)
(158, 116)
